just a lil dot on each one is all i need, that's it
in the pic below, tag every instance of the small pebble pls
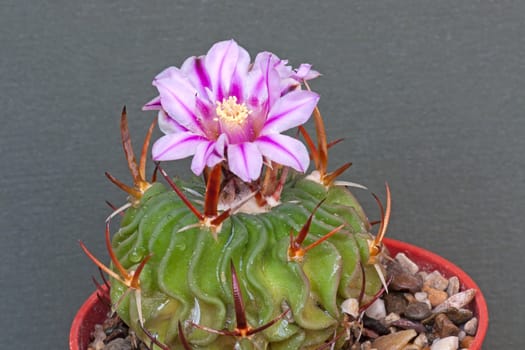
(403, 280)
(444, 327)
(99, 336)
(377, 310)
(461, 335)
(458, 300)
(458, 316)
(423, 275)
(436, 280)
(118, 344)
(435, 296)
(403, 323)
(417, 311)
(351, 307)
(421, 340)
(448, 343)
(467, 341)
(395, 302)
(421, 296)
(411, 347)
(394, 341)
(367, 345)
(390, 318)
(406, 263)
(410, 298)
(375, 325)
(453, 286)
(471, 326)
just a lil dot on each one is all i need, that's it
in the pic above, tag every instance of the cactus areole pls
(254, 252)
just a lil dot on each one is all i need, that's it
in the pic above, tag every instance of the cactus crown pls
(257, 256)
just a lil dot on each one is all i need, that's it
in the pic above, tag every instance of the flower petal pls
(177, 96)
(193, 68)
(176, 146)
(153, 105)
(305, 72)
(245, 160)
(271, 78)
(291, 110)
(202, 153)
(208, 154)
(168, 125)
(221, 62)
(284, 150)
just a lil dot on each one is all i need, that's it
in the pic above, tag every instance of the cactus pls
(250, 258)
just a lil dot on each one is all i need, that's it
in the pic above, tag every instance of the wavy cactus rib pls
(186, 276)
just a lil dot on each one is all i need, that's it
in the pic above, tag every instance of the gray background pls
(428, 94)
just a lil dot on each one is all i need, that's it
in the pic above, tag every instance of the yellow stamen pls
(230, 111)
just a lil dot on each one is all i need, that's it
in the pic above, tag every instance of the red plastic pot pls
(94, 311)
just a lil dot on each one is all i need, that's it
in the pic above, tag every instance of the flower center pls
(231, 112)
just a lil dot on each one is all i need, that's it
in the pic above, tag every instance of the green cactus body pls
(188, 276)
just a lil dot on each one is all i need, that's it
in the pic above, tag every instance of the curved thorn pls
(330, 178)
(350, 184)
(182, 337)
(363, 283)
(104, 280)
(240, 312)
(181, 195)
(381, 276)
(334, 142)
(128, 149)
(213, 189)
(381, 214)
(125, 275)
(280, 185)
(154, 174)
(324, 238)
(144, 152)
(118, 211)
(321, 141)
(214, 331)
(219, 219)
(99, 264)
(375, 297)
(138, 303)
(306, 227)
(136, 275)
(153, 338)
(267, 325)
(314, 155)
(386, 217)
(129, 190)
(320, 130)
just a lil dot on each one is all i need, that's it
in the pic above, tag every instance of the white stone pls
(457, 301)
(471, 326)
(436, 280)
(421, 296)
(453, 286)
(351, 307)
(406, 263)
(421, 340)
(390, 318)
(377, 310)
(448, 343)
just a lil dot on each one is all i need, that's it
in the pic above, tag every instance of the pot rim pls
(82, 326)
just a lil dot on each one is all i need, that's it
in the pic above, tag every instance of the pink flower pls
(219, 107)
